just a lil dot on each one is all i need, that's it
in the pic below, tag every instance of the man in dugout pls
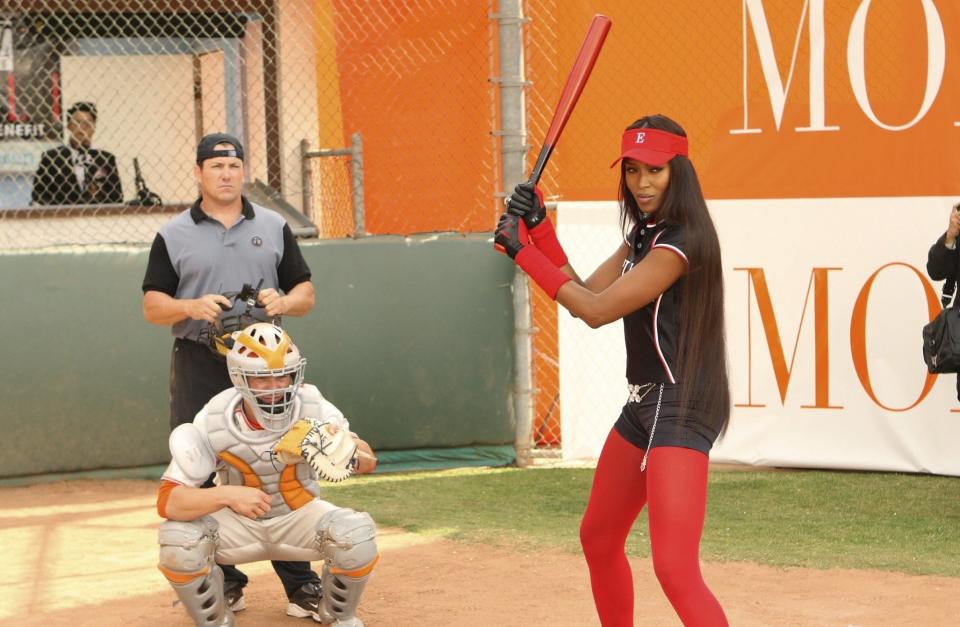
(77, 173)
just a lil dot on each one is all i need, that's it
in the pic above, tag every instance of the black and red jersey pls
(652, 332)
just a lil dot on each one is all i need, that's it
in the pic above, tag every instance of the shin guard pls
(347, 541)
(186, 560)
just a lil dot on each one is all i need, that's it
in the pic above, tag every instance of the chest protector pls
(245, 457)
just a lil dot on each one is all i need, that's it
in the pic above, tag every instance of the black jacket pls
(55, 182)
(943, 263)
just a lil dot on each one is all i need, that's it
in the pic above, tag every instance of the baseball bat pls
(582, 66)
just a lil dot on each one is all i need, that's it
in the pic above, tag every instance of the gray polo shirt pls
(193, 255)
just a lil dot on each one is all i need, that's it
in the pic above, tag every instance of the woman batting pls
(665, 282)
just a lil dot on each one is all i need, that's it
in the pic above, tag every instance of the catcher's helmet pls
(265, 353)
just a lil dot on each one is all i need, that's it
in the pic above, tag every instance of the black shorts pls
(677, 425)
(196, 376)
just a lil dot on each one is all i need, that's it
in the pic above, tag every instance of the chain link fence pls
(103, 102)
(542, 68)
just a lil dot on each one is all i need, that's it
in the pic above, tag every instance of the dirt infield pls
(84, 554)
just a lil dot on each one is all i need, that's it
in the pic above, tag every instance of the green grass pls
(908, 523)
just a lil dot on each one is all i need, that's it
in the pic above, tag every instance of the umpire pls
(215, 246)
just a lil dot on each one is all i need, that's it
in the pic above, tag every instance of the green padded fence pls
(410, 337)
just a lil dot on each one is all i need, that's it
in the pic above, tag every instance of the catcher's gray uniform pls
(299, 525)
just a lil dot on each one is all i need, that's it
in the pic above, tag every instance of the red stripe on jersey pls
(674, 249)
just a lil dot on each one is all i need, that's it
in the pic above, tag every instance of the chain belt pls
(637, 392)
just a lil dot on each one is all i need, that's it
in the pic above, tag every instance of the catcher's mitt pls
(330, 451)
(287, 449)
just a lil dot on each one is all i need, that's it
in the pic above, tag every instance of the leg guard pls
(186, 560)
(347, 540)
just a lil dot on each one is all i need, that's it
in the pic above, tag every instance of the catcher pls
(268, 438)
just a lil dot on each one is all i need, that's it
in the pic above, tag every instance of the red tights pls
(675, 486)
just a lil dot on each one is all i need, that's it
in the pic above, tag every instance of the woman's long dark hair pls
(702, 348)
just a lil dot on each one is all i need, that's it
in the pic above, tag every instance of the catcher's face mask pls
(218, 335)
(266, 368)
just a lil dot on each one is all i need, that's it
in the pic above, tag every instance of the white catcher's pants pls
(291, 537)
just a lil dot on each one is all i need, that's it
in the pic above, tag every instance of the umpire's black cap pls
(206, 150)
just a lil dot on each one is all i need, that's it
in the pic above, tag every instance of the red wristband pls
(544, 237)
(541, 270)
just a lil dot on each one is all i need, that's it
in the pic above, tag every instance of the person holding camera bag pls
(943, 262)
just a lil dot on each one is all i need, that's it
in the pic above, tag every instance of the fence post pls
(513, 157)
(306, 180)
(356, 173)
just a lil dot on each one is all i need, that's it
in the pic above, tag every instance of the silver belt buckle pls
(636, 392)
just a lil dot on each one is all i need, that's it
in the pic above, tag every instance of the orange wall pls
(414, 83)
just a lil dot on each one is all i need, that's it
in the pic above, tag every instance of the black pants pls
(196, 376)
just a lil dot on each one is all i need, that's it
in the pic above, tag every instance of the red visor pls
(651, 146)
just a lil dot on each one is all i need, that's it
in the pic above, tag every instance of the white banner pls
(825, 301)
